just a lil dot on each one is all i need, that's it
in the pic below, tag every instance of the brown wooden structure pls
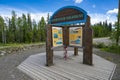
(66, 17)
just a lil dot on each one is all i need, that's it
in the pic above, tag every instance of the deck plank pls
(70, 69)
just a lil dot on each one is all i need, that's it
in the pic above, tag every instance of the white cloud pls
(110, 16)
(78, 1)
(97, 17)
(113, 11)
(37, 16)
(6, 12)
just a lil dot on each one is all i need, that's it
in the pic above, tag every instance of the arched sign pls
(68, 15)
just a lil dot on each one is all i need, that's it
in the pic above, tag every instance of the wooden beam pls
(65, 31)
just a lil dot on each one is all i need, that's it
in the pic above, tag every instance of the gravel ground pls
(8, 63)
(105, 40)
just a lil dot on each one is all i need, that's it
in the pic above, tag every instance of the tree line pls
(102, 29)
(25, 30)
(21, 29)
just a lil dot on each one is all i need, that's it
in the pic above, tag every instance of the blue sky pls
(99, 10)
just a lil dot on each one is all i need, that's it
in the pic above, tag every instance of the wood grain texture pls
(70, 69)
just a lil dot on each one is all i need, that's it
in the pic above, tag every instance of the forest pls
(21, 29)
(25, 30)
(102, 29)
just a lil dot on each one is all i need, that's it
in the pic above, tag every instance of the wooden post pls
(87, 43)
(75, 51)
(65, 36)
(49, 45)
(65, 39)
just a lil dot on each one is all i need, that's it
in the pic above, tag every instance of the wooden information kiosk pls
(65, 18)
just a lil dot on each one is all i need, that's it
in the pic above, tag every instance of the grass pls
(112, 48)
(2, 46)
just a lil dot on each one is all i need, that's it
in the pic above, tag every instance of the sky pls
(99, 10)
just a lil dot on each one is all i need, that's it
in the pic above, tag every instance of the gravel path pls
(105, 40)
(8, 63)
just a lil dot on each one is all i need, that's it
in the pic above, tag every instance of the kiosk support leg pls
(65, 53)
(49, 45)
(87, 43)
(75, 51)
(65, 40)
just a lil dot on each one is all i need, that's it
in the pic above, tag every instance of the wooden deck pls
(70, 69)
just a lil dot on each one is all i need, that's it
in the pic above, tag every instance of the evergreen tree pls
(110, 27)
(24, 27)
(35, 32)
(118, 25)
(20, 30)
(13, 27)
(41, 28)
(9, 30)
(2, 26)
(29, 29)
(116, 32)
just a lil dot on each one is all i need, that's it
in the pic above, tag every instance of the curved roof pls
(69, 22)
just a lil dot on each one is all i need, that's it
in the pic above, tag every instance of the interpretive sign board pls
(75, 36)
(57, 36)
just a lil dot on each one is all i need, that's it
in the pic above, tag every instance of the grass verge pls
(112, 48)
(2, 46)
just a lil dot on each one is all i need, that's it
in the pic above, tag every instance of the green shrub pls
(99, 45)
(112, 48)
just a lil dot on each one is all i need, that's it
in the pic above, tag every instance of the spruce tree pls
(29, 29)
(42, 25)
(13, 27)
(2, 29)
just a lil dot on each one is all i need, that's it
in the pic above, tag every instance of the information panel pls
(57, 36)
(75, 36)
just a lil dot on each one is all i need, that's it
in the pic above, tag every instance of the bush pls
(110, 48)
(99, 45)
(114, 49)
